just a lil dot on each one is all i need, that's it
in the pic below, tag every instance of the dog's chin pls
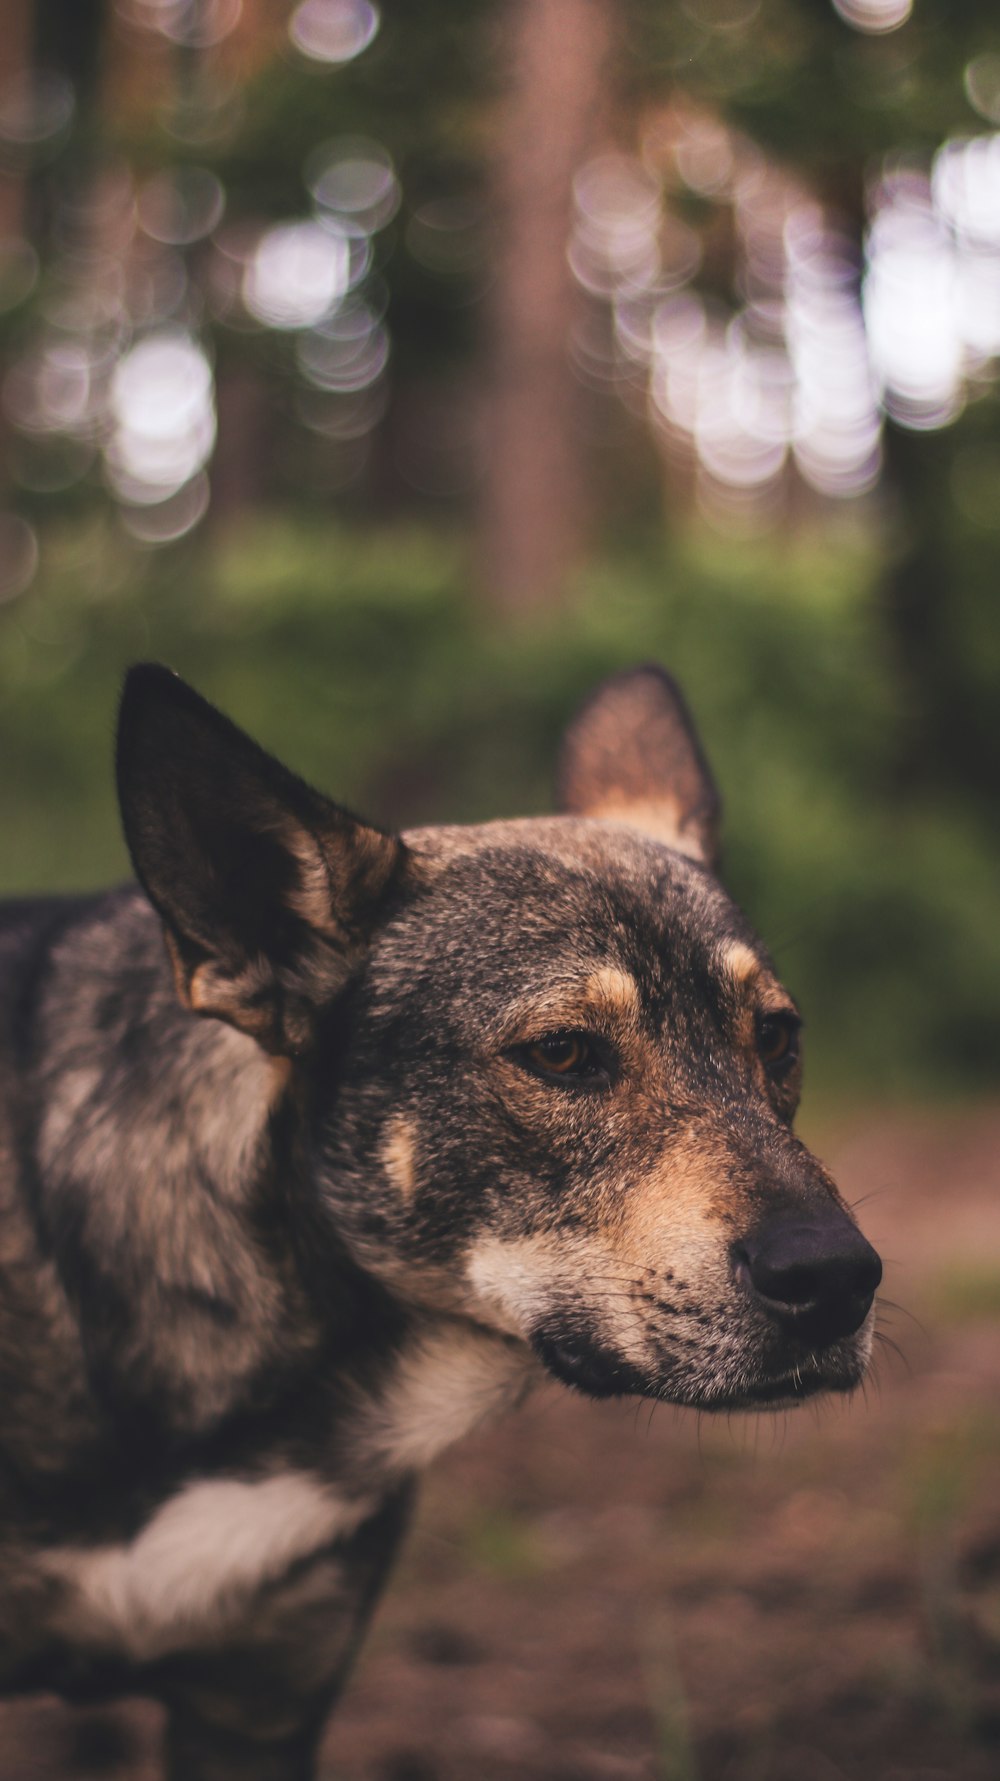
(787, 1391)
(581, 1363)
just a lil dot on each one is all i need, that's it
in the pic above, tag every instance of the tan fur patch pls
(607, 996)
(662, 821)
(674, 1216)
(215, 991)
(399, 1154)
(279, 1071)
(740, 963)
(616, 989)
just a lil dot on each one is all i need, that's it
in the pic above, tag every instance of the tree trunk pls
(15, 62)
(534, 505)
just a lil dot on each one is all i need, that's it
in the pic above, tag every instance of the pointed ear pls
(268, 892)
(631, 754)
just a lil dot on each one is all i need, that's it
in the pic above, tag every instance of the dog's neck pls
(450, 1376)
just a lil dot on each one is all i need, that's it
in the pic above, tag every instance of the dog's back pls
(49, 1422)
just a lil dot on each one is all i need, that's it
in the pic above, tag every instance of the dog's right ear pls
(269, 893)
(632, 754)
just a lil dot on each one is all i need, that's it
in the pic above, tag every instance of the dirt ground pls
(593, 1594)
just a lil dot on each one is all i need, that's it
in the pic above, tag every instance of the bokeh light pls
(717, 295)
(615, 239)
(60, 386)
(782, 378)
(874, 16)
(346, 353)
(333, 30)
(982, 85)
(353, 180)
(815, 346)
(911, 305)
(164, 521)
(194, 24)
(181, 206)
(36, 110)
(297, 275)
(162, 413)
(837, 429)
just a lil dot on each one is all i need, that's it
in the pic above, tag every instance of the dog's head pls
(547, 1073)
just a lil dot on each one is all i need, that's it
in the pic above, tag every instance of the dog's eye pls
(562, 1057)
(778, 1041)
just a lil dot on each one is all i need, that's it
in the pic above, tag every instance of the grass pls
(668, 1703)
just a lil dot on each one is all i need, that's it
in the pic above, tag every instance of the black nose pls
(818, 1279)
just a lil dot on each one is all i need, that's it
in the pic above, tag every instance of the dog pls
(321, 1145)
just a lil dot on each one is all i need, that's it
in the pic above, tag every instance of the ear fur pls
(268, 892)
(631, 755)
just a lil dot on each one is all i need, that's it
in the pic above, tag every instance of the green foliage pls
(815, 92)
(363, 663)
(965, 1292)
(945, 1467)
(502, 1545)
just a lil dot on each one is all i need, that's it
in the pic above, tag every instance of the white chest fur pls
(454, 1377)
(197, 1563)
(191, 1572)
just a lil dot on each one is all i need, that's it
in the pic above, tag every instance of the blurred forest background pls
(394, 372)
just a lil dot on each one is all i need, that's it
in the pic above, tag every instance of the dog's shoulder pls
(135, 1181)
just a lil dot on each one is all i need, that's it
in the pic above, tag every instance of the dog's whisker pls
(887, 1309)
(888, 1346)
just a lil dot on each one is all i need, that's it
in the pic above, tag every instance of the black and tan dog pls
(387, 1128)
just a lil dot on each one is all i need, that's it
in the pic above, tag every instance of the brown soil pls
(594, 1593)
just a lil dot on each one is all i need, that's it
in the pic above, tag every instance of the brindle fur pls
(283, 1210)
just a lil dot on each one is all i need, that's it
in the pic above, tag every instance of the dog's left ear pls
(631, 755)
(268, 892)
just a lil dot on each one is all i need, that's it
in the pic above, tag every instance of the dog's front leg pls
(197, 1750)
(254, 1710)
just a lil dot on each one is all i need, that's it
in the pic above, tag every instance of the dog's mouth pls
(789, 1389)
(583, 1364)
